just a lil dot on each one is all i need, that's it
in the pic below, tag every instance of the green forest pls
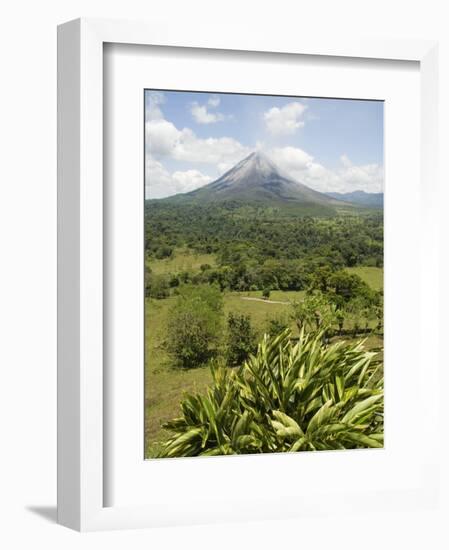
(263, 329)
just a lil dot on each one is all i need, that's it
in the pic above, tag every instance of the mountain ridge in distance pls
(359, 197)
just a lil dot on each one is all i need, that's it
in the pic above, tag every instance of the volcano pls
(257, 180)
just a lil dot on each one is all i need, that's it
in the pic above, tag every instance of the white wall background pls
(28, 267)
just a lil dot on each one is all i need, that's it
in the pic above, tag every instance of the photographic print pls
(263, 274)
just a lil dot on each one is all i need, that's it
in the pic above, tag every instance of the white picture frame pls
(81, 407)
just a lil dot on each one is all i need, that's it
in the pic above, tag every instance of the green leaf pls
(364, 440)
(321, 416)
(287, 421)
(340, 385)
(299, 443)
(360, 408)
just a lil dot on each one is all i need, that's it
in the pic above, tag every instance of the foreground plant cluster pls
(289, 396)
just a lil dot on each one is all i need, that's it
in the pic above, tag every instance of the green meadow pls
(182, 259)
(374, 276)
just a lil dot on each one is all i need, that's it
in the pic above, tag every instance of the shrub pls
(173, 280)
(240, 339)
(379, 310)
(288, 397)
(194, 326)
(314, 312)
(156, 286)
(356, 314)
(163, 251)
(266, 293)
(277, 324)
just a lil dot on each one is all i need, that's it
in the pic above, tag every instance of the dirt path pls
(263, 300)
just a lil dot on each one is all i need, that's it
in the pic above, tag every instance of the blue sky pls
(327, 144)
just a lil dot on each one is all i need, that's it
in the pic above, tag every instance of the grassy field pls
(374, 276)
(181, 260)
(164, 385)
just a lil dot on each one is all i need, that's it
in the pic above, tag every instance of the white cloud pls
(162, 137)
(159, 182)
(165, 140)
(345, 161)
(285, 120)
(348, 177)
(368, 177)
(190, 180)
(153, 102)
(223, 167)
(157, 178)
(201, 114)
(214, 101)
(291, 158)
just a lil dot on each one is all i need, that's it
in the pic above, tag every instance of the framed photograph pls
(263, 274)
(238, 336)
